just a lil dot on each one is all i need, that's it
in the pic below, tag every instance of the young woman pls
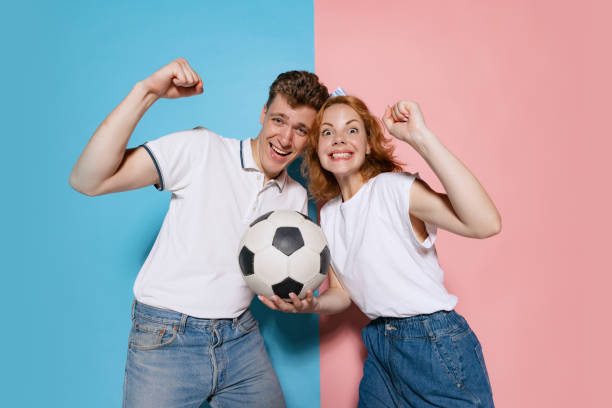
(381, 225)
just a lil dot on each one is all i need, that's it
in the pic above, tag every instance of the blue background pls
(69, 261)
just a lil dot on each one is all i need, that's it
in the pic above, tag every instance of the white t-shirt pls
(217, 190)
(376, 254)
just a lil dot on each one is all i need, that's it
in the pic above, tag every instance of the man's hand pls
(175, 80)
(310, 304)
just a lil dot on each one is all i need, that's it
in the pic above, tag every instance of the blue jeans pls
(430, 360)
(175, 360)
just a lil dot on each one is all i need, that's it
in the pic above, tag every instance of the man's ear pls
(263, 114)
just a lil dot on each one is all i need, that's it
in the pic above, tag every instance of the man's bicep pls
(137, 170)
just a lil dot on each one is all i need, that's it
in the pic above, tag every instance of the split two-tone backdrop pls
(517, 89)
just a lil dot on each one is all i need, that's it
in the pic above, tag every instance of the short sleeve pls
(176, 155)
(400, 185)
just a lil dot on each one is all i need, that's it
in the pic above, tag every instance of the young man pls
(193, 337)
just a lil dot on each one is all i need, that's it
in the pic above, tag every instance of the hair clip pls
(338, 92)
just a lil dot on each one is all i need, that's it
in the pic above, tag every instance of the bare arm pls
(105, 166)
(466, 208)
(334, 300)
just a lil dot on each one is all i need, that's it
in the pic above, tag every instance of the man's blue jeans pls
(428, 361)
(175, 360)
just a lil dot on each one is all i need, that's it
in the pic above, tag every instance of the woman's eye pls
(353, 130)
(326, 133)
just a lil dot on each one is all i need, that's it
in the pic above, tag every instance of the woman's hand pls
(310, 304)
(405, 122)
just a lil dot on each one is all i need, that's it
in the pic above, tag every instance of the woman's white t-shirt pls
(376, 255)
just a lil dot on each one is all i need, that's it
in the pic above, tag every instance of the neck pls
(256, 157)
(350, 185)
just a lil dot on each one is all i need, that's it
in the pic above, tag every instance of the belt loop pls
(183, 323)
(430, 333)
(132, 311)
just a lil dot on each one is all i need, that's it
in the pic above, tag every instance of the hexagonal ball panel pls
(313, 236)
(288, 285)
(287, 240)
(259, 236)
(271, 265)
(312, 284)
(261, 218)
(258, 286)
(303, 265)
(286, 218)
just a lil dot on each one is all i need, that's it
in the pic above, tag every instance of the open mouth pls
(278, 151)
(340, 155)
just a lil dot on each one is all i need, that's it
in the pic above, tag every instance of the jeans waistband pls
(165, 316)
(425, 325)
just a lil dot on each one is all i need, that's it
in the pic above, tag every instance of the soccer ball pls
(282, 252)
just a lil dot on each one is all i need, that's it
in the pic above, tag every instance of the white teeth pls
(282, 153)
(341, 155)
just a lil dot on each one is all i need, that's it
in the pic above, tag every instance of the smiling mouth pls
(279, 151)
(341, 156)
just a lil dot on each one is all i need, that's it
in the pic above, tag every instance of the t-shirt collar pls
(248, 163)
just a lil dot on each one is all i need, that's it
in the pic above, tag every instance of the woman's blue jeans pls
(175, 360)
(428, 361)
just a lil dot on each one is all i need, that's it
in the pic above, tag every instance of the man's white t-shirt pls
(376, 255)
(217, 191)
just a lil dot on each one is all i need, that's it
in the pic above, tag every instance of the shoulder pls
(203, 135)
(392, 181)
(199, 136)
(329, 207)
(393, 178)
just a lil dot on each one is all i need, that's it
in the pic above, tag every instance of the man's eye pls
(302, 131)
(277, 120)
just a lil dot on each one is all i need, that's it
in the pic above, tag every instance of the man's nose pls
(285, 136)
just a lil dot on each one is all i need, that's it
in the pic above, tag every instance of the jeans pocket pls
(453, 352)
(247, 323)
(448, 358)
(149, 335)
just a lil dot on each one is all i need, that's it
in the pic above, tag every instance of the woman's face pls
(343, 142)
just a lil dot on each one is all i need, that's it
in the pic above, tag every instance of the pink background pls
(518, 90)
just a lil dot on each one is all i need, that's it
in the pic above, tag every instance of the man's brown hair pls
(300, 88)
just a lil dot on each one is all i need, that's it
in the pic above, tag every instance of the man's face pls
(283, 135)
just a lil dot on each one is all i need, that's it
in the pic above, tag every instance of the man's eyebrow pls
(279, 114)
